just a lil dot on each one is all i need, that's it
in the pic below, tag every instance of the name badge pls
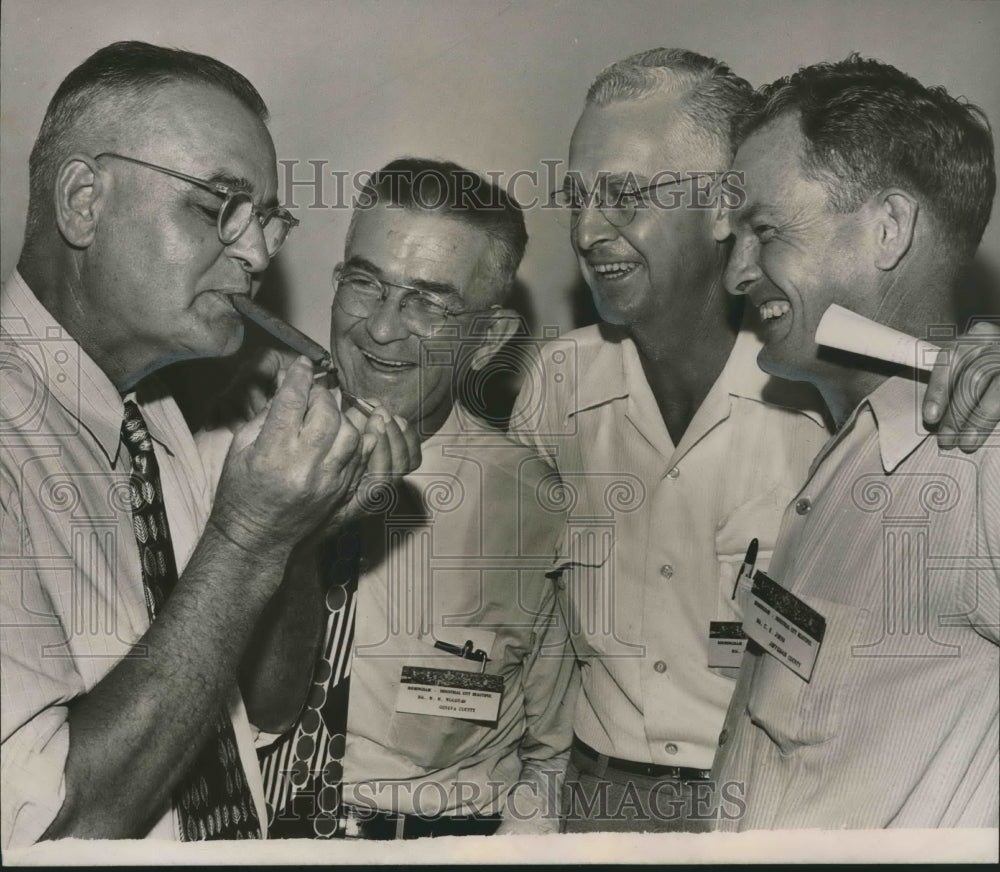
(726, 644)
(450, 693)
(783, 625)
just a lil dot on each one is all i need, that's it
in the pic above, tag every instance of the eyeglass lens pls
(236, 215)
(361, 297)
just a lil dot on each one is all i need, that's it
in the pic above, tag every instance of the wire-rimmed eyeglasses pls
(617, 203)
(359, 293)
(237, 210)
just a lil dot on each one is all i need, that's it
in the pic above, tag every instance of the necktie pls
(213, 798)
(303, 770)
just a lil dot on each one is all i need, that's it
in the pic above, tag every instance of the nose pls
(385, 323)
(592, 228)
(743, 269)
(249, 248)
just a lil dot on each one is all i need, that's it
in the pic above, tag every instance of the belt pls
(650, 770)
(370, 823)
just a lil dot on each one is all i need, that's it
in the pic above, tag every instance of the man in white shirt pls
(153, 191)
(452, 582)
(868, 190)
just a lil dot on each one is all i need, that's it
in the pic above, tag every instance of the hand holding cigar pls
(297, 341)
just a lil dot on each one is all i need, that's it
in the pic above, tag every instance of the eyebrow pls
(237, 183)
(751, 211)
(442, 289)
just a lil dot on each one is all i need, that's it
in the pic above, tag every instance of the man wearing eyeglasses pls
(458, 717)
(667, 394)
(127, 599)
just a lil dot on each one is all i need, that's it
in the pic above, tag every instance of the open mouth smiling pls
(614, 269)
(382, 364)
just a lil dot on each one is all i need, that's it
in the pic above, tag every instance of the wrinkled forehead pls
(203, 131)
(768, 163)
(417, 247)
(644, 137)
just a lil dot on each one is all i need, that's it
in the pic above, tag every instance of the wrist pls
(239, 546)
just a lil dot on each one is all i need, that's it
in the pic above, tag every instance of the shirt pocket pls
(437, 741)
(795, 713)
(758, 517)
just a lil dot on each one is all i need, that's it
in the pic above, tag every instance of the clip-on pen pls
(748, 564)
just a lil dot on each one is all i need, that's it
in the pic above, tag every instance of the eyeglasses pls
(237, 210)
(618, 207)
(359, 294)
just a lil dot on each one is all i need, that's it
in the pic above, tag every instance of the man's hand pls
(290, 468)
(963, 397)
(396, 452)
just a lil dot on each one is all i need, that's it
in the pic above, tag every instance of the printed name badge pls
(783, 625)
(450, 693)
(726, 644)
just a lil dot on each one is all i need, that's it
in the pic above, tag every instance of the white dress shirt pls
(71, 588)
(657, 532)
(896, 543)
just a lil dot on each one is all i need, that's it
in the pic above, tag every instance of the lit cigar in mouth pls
(297, 341)
(841, 328)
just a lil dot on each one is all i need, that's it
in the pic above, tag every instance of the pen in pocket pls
(748, 564)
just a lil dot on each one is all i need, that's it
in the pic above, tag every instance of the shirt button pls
(803, 506)
(674, 473)
(667, 571)
(723, 737)
(670, 748)
(660, 666)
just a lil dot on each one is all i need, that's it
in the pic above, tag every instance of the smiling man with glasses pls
(666, 394)
(131, 597)
(453, 575)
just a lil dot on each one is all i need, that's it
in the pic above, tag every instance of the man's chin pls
(789, 367)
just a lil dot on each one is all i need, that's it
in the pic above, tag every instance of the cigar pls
(297, 341)
(294, 339)
(841, 328)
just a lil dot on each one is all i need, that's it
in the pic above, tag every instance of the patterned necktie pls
(303, 770)
(213, 798)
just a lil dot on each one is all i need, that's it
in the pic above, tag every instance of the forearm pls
(277, 669)
(133, 736)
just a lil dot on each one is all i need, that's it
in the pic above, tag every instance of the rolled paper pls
(841, 328)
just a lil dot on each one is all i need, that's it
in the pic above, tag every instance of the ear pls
(503, 324)
(79, 193)
(895, 224)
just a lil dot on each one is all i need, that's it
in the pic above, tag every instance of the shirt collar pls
(69, 374)
(743, 377)
(896, 407)
(616, 372)
(607, 378)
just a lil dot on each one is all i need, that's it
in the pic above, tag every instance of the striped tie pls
(303, 770)
(212, 799)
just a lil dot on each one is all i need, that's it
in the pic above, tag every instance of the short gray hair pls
(115, 82)
(713, 97)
